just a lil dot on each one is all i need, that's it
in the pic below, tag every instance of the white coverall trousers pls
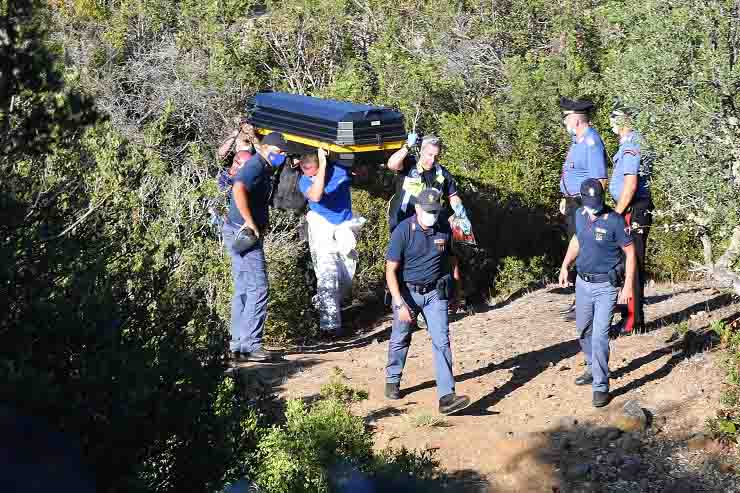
(334, 260)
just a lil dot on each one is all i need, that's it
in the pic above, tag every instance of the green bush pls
(726, 424)
(515, 274)
(323, 444)
(338, 389)
(297, 457)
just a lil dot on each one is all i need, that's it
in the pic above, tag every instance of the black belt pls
(594, 278)
(422, 288)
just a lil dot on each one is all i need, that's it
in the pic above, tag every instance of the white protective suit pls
(334, 256)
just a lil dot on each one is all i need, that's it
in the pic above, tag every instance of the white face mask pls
(614, 126)
(591, 211)
(571, 131)
(427, 219)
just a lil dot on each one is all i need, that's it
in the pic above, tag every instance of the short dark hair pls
(309, 158)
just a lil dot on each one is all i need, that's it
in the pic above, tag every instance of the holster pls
(446, 288)
(616, 276)
(640, 214)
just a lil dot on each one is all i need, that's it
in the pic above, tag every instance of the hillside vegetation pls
(114, 288)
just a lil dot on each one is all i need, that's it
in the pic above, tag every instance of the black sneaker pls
(452, 403)
(260, 356)
(600, 399)
(393, 391)
(586, 379)
(237, 357)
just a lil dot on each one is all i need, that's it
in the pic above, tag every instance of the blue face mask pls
(276, 159)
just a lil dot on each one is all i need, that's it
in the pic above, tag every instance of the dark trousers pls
(639, 218)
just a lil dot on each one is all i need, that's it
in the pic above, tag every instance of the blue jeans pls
(435, 313)
(249, 305)
(594, 307)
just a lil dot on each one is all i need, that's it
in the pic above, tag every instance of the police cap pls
(574, 106)
(621, 109)
(592, 194)
(429, 200)
(275, 139)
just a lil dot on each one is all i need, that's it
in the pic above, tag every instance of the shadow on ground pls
(524, 368)
(719, 301)
(260, 382)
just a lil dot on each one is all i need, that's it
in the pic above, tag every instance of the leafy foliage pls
(338, 389)
(103, 330)
(115, 291)
(298, 456)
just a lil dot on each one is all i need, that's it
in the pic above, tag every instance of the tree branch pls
(732, 252)
(81, 219)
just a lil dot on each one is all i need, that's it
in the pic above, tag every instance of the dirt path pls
(518, 363)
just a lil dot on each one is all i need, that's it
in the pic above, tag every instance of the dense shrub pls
(115, 292)
(323, 447)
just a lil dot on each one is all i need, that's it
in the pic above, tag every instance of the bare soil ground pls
(530, 429)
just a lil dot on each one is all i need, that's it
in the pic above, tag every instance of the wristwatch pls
(398, 306)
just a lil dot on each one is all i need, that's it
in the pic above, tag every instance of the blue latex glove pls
(462, 216)
(411, 139)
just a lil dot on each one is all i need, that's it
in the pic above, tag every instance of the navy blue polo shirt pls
(600, 241)
(586, 159)
(424, 254)
(256, 175)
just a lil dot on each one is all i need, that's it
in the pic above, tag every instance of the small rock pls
(726, 467)
(632, 418)
(698, 442)
(568, 422)
(644, 484)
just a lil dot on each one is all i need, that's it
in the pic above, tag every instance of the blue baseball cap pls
(592, 194)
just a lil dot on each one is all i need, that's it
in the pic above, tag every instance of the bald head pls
(240, 158)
